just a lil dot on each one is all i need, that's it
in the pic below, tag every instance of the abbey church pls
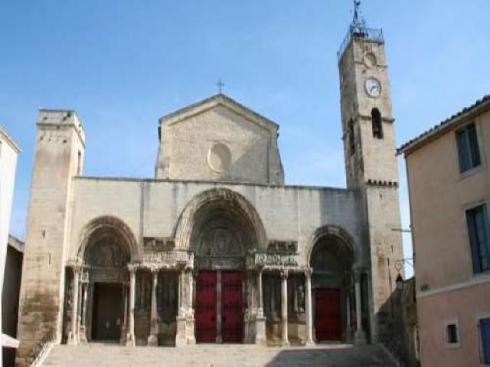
(216, 248)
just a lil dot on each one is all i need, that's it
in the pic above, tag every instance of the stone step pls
(212, 355)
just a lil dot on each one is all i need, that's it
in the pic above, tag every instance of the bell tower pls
(367, 118)
(370, 158)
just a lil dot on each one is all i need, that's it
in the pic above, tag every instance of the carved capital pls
(357, 274)
(284, 274)
(132, 268)
(308, 272)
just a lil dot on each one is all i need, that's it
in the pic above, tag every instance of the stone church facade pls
(216, 248)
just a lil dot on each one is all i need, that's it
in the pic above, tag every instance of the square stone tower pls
(370, 159)
(60, 146)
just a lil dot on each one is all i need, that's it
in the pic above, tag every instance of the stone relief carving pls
(263, 259)
(158, 243)
(107, 255)
(282, 246)
(168, 259)
(220, 242)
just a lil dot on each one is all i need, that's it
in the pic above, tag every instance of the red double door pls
(230, 306)
(327, 314)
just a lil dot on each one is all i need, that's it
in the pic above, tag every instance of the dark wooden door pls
(327, 314)
(108, 312)
(206, 307)
(232, 307)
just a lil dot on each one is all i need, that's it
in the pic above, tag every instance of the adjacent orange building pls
(449, 187)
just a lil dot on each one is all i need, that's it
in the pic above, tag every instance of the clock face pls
(373, 87)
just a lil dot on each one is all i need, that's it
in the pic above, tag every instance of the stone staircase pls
(212, 355)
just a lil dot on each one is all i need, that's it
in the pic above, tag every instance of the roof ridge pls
(212, 98)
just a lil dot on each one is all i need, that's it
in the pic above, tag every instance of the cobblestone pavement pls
(207, 355)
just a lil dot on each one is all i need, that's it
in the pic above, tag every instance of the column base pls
(185, 331)
(72, 339)
(153, 340)
(260, 334)
(310, 343)
(82, 335)
(130, 340)
(348, 335)
(360, 338)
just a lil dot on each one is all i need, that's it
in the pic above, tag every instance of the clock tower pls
(370, 160)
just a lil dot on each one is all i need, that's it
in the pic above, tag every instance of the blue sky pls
(122, 64)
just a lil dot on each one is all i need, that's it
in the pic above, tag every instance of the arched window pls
(377, 123)
(352, 142)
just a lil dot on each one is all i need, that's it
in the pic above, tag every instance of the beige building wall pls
(447, 288)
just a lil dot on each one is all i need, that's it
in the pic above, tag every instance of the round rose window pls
(219, 157)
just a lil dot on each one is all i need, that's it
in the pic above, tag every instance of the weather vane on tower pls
(358, 22)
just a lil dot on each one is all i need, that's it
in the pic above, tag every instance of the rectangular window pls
(468, 150)
(477, 221)
(485, 340)
(452, 336)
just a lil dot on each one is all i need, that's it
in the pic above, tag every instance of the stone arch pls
(340, 235)
(232, 200)
(100, 227)
(331, 255)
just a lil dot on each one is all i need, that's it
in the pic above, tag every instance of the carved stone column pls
(124, 328)
(284, 307)
(72, 336)
(360, 336)
(348, 331)
(130, 338)
(83, 322)
(219, 321)
(153, 338)
(308, 308)
(260, 332)
(260, 308)
(185, 318)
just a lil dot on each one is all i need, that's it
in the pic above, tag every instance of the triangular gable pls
(212, 102)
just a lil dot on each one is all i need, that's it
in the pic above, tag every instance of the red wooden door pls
(206, 307)
(232, 307)
(327, 314)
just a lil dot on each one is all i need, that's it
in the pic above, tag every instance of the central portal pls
(219, 307)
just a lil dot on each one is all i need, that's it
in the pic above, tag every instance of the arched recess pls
(332, 256)
(107, 246)
(340, 235)
(104, 226)
(228, 202)
(220, 227)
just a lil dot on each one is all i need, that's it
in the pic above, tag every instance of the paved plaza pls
(95, 355)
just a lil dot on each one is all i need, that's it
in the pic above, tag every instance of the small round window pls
(219, 157)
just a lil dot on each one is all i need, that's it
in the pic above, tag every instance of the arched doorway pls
(106, 253)
(331, 260)
(221, 235)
